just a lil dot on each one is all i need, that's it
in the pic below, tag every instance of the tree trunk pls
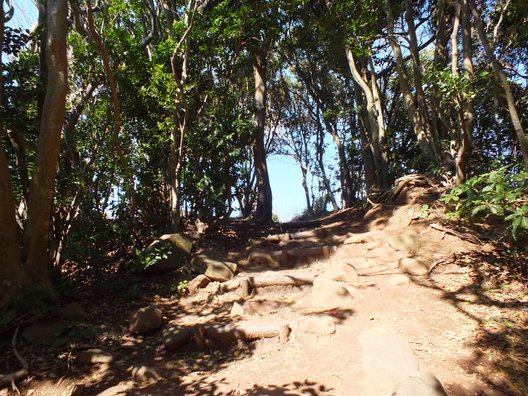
(420, 131)
(466, 129)
(516, 121)
(264, 200)
(375, 128)
(180, 67)
(36, 233)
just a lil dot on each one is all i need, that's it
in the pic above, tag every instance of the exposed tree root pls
(12, 378)
(244, 331)
(462, 235)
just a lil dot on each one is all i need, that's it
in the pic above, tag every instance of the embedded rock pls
(213, 266)
(199, 282)
(413, 267)
(421, 383)
(341, 272)
(317, 324)
(167, 253)
(174, 337)
(145, 320)
(407, 242)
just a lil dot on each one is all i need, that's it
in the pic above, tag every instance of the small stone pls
(199, 282)
(341, 272)
(317, 324)
(408, 242)
(145, 320)
(145, 374)
(399, 280)
(412, 266)
(174, 337)
(95, 356)
(237, 309)
(421, 383)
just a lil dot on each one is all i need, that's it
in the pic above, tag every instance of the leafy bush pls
(501, 194)
(154, 253)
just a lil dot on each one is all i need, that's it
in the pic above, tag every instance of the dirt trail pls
(358, 335)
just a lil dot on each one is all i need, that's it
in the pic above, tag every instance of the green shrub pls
(501, 194)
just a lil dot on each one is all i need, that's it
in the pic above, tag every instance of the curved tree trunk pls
(264, 199)
(516, 121)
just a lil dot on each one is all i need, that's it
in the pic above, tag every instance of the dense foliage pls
(173, 107)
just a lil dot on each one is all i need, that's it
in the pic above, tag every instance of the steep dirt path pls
(391, 294)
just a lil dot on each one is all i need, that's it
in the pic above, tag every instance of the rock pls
(408, 242)
(399, 280)
(412, 266)
(95, 356)
(167, 253)
(212, 266)
(328, 294)
(317, 324)
(145, 320)
(145, 374)
(386, 359)
(237, 309)
(73, 312)
(341, 272)
(199, 282)
(47, 332)
(174, 337)
(421, 383)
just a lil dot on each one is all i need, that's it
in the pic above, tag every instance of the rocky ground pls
(352, 304)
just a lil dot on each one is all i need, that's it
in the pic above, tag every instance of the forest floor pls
(465, 320)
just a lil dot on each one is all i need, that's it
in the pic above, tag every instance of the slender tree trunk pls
(424, 141)
(466, 129)
(117, 112)
(180, 66)
(514, 115)
(264, 200)
(36, 233)
(374, 126)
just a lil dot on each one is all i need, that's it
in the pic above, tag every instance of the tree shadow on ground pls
(491, 291)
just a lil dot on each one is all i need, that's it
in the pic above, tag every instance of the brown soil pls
(466, 321)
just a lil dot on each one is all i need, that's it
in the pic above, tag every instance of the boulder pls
(198, 283)
(95, 356)
(145, 320)
(174, 337)
(413, 267)
(213, 266)
(407, 242)
(341, 272)
(167, 253)
(73, 312)
(421, 383)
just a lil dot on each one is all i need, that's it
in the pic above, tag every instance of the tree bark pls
(36, 233)
(514, 115)
(424, 141)
(264, 200)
